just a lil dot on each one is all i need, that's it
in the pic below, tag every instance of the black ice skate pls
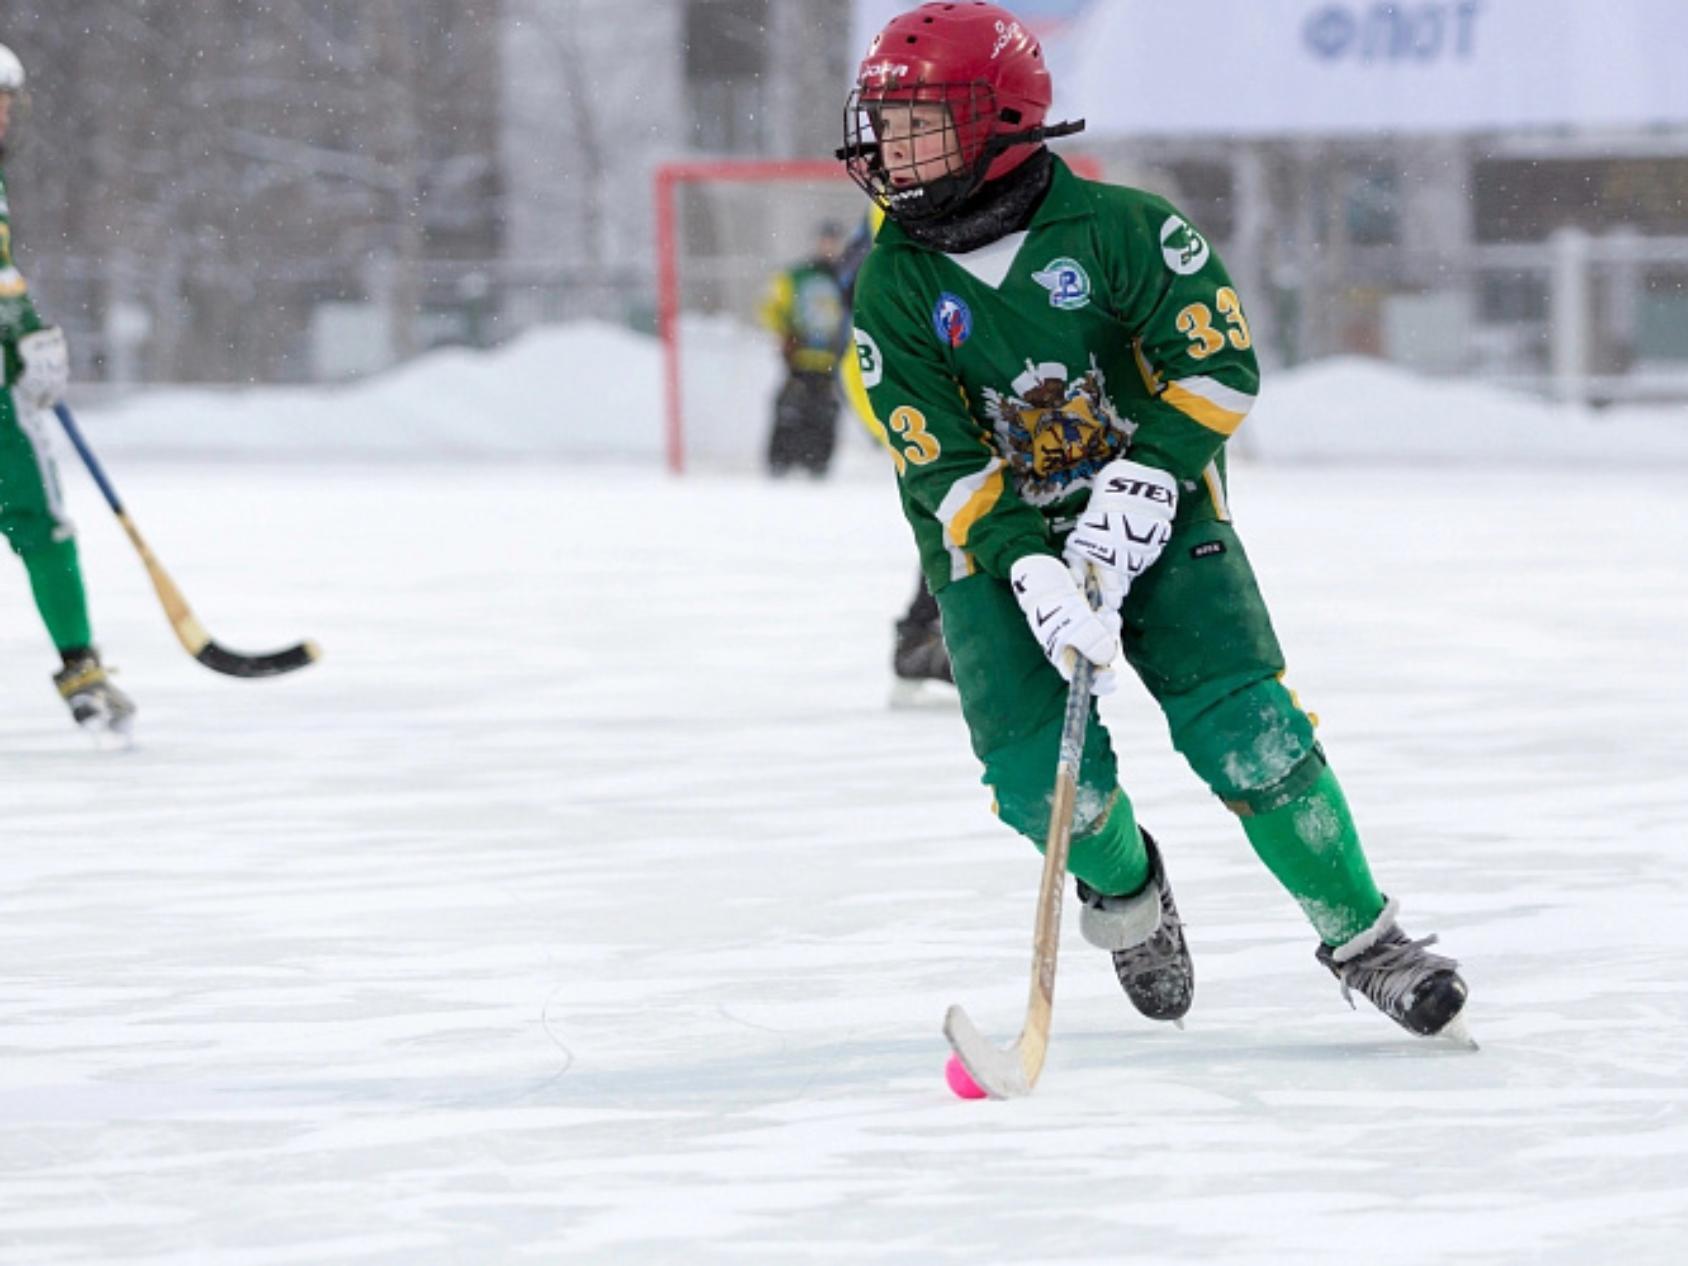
(1146, 937)
(921, 663)
(1420, 991)
(100, 708)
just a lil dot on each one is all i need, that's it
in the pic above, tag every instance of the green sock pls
(1112, 859)
(1311, 846)
(55, 574)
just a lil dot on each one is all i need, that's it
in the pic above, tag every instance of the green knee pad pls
(1111, 857)
(1015, 704)
(30, 530)
(1253, 746)
(31, 508)
(1311, 846)
(1107, 850)
(1022, 775)
(55, 577)
(33, 523)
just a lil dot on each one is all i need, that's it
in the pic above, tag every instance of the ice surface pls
(587, 904)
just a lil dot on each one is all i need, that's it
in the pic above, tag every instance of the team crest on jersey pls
(1055, 434)
(1183, 249)
(1067, 283)
(952, 319)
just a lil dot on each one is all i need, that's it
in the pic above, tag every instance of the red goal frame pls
(669, 178)
(666, 182)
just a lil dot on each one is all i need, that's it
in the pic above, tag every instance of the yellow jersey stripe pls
(1209, 402)
(969, 500)
(1216, 493)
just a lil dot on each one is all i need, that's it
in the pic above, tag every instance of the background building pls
(316, 189)
(288, 173)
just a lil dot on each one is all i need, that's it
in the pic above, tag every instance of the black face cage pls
(897, 186)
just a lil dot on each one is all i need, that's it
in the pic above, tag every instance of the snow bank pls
(589, 388)
(1349, 409)
(595, 390)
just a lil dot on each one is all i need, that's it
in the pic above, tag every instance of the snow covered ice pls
(587, 904)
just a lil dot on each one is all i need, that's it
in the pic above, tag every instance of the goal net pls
(724, 228)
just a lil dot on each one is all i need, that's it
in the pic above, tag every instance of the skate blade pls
(1457, 1034)
(923, 693)
(110, 738)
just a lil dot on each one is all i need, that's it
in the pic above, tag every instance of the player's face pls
(917, 144)
(5, 113)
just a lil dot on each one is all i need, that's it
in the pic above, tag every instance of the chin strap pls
(1008, 140)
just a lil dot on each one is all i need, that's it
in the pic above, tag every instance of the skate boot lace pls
(1390, 971)
(1161, 947)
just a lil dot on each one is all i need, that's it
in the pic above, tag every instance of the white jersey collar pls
(990, 264)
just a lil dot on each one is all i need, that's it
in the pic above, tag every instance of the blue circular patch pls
(952, 319)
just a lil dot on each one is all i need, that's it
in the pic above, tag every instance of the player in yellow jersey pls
(805, 308)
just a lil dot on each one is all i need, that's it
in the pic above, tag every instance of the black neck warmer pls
(999, 208)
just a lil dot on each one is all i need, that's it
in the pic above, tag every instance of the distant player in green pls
(1058, 364)
(36, 367)
(804, 307)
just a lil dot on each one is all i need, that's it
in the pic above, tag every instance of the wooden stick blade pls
(1013, 1073)
(1000, 1074)
(192, 635)
(219, 659)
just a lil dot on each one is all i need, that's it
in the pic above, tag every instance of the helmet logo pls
(952, 319)
(1006, 33)
(1184, 250)
(1067, 283)
(884, 70)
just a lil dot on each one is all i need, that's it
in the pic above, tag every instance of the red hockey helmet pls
(970, 78)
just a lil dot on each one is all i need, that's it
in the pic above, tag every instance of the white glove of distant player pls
(1062, 621)
(46, 368)
(1124, 527)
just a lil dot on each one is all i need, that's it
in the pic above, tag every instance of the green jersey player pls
(1058, 364)
(35, 365)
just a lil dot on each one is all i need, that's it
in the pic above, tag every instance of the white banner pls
(1263, 67)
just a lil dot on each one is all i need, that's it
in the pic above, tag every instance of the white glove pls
(1124, 527)
(1062, 621)
(46, 368)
